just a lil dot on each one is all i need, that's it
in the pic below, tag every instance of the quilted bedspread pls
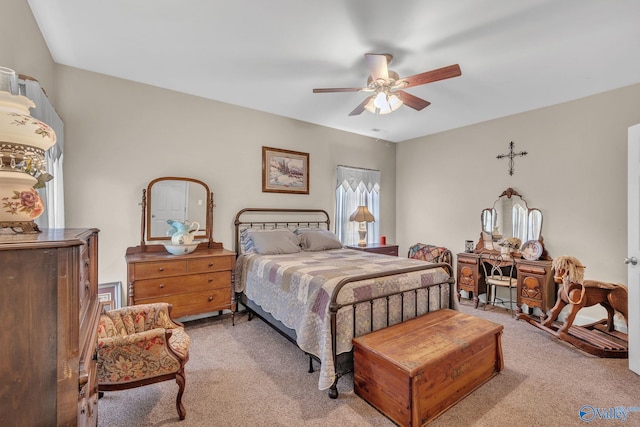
(296, 289)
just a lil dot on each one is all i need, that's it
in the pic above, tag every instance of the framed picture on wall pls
(285, 171)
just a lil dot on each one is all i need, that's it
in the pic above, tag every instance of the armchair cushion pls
(430, 253)
(138, 343)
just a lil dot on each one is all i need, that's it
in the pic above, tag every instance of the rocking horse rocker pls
(598, 338)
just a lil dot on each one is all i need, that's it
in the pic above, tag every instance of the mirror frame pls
(487, 214)
(146, 212)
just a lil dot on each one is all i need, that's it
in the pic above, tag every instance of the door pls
(633, 246)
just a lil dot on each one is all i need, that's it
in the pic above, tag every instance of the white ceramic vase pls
(23, 141)
(19, 201)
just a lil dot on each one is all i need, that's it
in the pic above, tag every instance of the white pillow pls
(319, 240)
(274, 242)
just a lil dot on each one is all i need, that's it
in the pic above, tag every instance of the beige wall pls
(22, 47)
(575, 172)
(120, 135)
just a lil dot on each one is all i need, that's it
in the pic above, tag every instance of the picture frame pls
(285, 171)
(109, 295)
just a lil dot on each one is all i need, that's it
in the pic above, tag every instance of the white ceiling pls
(268, 55)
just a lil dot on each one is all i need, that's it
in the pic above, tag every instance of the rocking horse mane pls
(571, 267)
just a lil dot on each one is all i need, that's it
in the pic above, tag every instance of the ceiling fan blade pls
(338, 89)
(360, 108)
(432, 76)
(378, 65)
(411, 101)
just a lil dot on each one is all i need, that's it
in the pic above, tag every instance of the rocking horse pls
(597, 338)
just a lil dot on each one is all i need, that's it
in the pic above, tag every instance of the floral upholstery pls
(430, 253)
(139, 345)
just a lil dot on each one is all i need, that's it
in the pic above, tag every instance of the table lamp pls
(362, 215)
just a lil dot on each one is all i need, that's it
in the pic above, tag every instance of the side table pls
(377, 248)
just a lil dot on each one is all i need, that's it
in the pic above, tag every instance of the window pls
(356, 187)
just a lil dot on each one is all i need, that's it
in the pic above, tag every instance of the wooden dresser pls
(535, 285)
(49, 314)
(195, 283)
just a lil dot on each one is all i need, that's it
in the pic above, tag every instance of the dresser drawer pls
(201, 265)
(160, 269)
(151, 288)
(194, 302)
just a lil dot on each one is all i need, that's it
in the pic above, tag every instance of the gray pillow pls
(275, 242)
(319, 240)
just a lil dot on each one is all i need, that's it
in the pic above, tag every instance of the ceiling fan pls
(387, 86)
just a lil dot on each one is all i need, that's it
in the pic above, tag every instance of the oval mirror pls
(182, 199)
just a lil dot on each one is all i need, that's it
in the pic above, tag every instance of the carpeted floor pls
(249, 375)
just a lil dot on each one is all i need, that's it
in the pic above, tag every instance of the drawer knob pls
(161, 285)
(210, 264)
(210, 299)
(161, 269)
(210, 279)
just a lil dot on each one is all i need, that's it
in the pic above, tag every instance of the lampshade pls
(23, 141)
(383, 103)
(362, 214)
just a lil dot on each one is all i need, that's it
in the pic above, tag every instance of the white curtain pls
(357, 187)
(53, 193)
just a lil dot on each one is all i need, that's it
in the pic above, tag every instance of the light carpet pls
(249, 375)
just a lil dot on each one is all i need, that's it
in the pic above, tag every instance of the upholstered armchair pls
(140, 345)
(430, 253)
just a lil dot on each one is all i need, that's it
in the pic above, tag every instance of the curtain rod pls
(356, 167)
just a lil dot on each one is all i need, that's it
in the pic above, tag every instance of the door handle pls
(633, 260)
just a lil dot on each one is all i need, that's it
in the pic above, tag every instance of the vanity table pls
(194, 283)
(510, 217)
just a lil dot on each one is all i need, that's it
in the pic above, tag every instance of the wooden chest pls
(414, 371)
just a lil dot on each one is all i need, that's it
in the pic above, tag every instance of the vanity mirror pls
(509, 217)
(176, 199)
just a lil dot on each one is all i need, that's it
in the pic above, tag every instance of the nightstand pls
(377, 248)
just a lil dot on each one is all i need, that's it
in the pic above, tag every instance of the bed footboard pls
(446, 287)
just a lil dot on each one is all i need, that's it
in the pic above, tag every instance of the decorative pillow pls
(319, 240)
(274, 242)
(246, 244)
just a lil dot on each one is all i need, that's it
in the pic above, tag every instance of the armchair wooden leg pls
(180, 380)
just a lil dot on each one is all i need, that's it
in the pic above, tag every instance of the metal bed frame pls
(318, 218)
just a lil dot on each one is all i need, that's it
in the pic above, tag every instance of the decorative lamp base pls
(363, 238)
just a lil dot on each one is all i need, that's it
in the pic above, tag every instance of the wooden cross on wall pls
(511, 155)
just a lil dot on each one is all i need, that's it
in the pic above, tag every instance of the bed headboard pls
(271, 218)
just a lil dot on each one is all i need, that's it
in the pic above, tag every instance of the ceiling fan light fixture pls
(394, 102)
(383, 103)
(383, 82)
